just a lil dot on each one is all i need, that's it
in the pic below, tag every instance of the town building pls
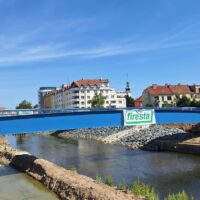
(166, 95)
(138, 102)
(41, 92)
(78, 94)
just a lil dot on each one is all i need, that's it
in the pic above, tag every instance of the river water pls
(18, 186)
(166, 172)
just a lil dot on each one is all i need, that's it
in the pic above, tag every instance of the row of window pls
(169, 98)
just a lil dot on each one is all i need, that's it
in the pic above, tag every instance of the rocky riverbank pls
(137, 137)
(66, 184)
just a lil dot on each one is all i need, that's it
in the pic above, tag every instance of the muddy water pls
(18, 186)
(167, 172)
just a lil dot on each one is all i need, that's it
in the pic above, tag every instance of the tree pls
(36, 106)
(168, 105)
(195, 103)
(149, 105)
(183, 101)
(130, 102)
(98, 101)
(24, 105)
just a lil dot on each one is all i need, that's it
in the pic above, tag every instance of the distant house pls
(163, 95)
(3, 108)
(138, 102)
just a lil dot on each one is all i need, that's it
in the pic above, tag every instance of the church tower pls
(128, 89)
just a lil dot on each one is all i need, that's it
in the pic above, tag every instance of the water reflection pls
(167, 172)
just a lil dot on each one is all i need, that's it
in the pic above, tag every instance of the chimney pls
(154, 86)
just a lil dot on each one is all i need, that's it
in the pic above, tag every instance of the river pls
(18, 186)
(165, 171)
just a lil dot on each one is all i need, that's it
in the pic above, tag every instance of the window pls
(82, 103)
(120, 102)
(163, 98)
(107, 102)
(112, 96)
(88, 97)
(82, 97)
(82, 92)
(88, 91)
(169, 98)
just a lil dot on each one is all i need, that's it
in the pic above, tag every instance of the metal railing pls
(17, 112)
(194, 109)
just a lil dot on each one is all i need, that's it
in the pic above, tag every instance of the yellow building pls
(48, 101)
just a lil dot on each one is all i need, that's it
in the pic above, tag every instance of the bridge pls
(28, 121)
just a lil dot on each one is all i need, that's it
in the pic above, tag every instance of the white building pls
(79, 93)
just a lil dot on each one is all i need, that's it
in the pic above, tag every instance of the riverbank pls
(65, 183)
(155, 137)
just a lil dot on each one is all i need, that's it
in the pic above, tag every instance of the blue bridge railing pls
(17, 112)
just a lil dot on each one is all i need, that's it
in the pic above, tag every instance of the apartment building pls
(161, 95)
(41, 92)
(79, 93)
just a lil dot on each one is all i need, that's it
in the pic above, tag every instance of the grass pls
(139, 188)
(179, 196)
(98, 179)
(109, 181)
(73, 168)
(123, 186)
(145, 190)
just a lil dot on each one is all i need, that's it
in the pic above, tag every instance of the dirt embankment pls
(190, 128)
(65, 183)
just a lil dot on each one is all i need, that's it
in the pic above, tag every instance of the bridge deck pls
(36, 122)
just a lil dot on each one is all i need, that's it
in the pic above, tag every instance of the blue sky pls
(50, 42)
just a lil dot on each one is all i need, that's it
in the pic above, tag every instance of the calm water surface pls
(18, 186)
(167, 172)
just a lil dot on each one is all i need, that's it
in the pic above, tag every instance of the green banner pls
(139, 117)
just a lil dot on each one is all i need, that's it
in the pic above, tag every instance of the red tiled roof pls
(169, 89)
(90, 82)
(82, 82)
(138, 99)
(159, 90)
(180, 89)
(3, 108)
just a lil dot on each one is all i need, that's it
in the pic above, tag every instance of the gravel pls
(93, 132)
(132, 137)
(142, 138)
